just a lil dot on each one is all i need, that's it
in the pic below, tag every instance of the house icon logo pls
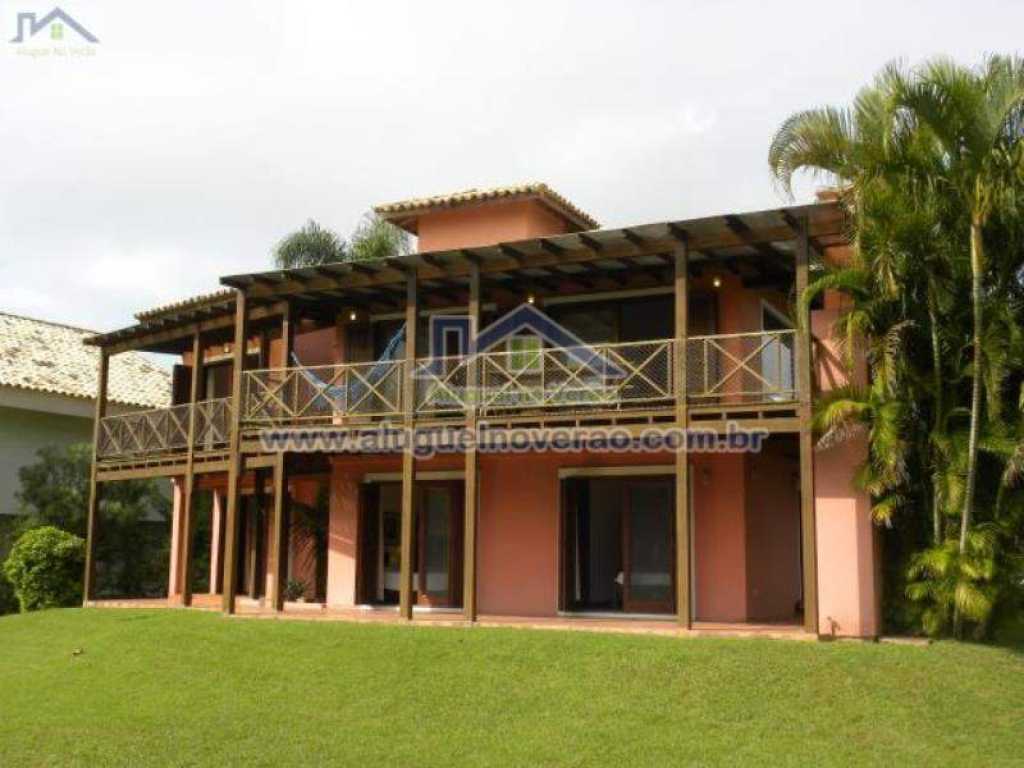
(57, 22)
(454, 335)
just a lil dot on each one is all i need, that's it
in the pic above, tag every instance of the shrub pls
(45, 568)
(294, 590)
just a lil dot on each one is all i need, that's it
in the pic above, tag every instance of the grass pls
(187, 688)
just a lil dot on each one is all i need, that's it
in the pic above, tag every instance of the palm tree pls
(897, 270)
(975, 118)
(312, 245)
(309, 246)
(375, 238)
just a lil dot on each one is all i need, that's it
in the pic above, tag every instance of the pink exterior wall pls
(487, 224)
(346, 478)
(719, 537)
(216, 513)
(174, 582)
(849, 587)
(519, 530)
(773, 531)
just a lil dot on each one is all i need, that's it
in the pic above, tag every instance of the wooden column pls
(279, 534)
(188, 523)
(254, 515)
(92, 525)
(278, 545)
(408, 460)
(682, 492)
(471, 492)
(236, 462)
(803, 358)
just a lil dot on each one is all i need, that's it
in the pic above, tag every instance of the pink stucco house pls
(630, 332)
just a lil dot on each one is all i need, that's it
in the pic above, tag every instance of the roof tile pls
(48, 357)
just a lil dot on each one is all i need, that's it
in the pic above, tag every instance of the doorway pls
(437, 543)
(618, 544)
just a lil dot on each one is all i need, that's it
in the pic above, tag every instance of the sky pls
(194, 135)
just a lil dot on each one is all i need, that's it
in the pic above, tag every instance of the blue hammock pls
(337, 397)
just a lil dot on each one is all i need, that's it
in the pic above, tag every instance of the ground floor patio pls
(560, 540)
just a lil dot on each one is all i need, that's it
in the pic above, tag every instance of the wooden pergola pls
(769, 248)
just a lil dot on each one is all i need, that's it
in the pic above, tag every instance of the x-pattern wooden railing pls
(284, 395)
(734, 368)
(745, 367)
(442, 384)
(144, 432)
(213, 422)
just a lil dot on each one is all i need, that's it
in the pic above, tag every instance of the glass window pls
(525, 353)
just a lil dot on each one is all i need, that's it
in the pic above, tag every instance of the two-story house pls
(519, 317)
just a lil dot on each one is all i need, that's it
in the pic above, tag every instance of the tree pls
(54, 491)
(309, 246)
(928, 162)
(373, 238)
(975, 117)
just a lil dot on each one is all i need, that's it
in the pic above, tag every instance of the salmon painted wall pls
(519, 530)
(773, 531)
(719, 537)
(347, 474)
(849, 587)
(487, 224)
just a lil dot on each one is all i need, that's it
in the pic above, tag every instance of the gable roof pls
(404, 212)
(51, 358)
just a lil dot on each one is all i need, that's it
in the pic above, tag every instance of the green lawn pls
(188, 688)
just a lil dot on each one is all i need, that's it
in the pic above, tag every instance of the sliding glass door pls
(618, 544)
(437, 544)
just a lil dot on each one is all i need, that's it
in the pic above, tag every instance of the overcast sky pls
(201, 132)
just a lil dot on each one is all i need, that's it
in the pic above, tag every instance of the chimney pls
(478, 217)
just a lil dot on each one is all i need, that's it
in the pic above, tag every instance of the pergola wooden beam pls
(739, 227)
(513, 260)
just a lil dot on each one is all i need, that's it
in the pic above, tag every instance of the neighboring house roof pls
(51, 358)
(400, 212)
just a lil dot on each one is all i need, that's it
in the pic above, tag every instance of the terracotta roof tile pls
(192, 302)
(404, 208)
(48, 357)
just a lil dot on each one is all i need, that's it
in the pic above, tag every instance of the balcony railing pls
(164, 430)
(735, 369)
(741, 368)
(297, 395)
(731, 369)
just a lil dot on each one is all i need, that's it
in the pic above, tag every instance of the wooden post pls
(278, 545)
(279, 534)
(188, 522)
(92, 526)
(684, 613)
(808, 533)
(254, 514)
(471, 492)
(236, 462)
(408, 459)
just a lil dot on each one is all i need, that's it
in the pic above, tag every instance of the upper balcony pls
(737, 269)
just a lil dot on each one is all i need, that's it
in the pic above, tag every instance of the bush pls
(294, 590)
(45, 568)
(8, 602)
